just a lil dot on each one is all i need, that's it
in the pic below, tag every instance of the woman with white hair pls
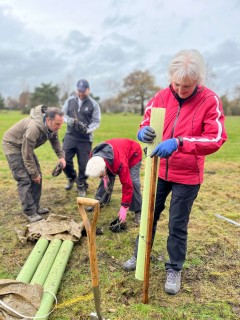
(193, 129)
(120, 157)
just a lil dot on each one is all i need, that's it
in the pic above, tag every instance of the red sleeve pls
(213, 134)
(147, 114)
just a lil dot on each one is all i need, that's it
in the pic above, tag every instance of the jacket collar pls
(180, 100)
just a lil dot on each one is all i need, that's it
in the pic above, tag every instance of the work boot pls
(130, 264)
(33, 217)
(137, 218)
(43, 210)
(81, 190)
(70, 183)
(173, 281)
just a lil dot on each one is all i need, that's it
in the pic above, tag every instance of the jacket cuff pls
(125, 204)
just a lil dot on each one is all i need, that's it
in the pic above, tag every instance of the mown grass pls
(210, 287)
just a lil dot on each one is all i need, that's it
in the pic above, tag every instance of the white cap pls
(95, 167)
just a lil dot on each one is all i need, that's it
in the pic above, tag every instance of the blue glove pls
(165, 148)
(146, 134)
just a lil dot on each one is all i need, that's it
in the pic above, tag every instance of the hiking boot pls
(70, 183)
(43, 211)
(33, 217)
(130, 264)
(173, 281)
(137, 218)
(81, 190)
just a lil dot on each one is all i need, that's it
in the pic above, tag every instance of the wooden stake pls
(151, 205)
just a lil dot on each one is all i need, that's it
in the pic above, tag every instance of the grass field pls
(210, 286)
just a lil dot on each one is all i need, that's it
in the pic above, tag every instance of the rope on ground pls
(228, 220)
(74, 300)
(27, 317)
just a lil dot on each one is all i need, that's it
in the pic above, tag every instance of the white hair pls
(95, 167)
(190, 64)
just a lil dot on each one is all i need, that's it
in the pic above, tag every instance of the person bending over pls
(120, 157)
(19, 143)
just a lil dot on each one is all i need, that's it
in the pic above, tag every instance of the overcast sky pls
(45, 41)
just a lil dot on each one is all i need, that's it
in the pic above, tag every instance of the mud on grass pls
(210, 284)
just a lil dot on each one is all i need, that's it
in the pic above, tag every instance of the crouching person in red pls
(120, 157)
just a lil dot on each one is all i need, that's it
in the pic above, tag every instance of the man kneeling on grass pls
(120, 157)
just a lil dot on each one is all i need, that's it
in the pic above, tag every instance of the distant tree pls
(226, 105)
(139, 86)
(65, 89)
(235, 103)
(24, 100)
(97, 98)
(11, 103)
(112, 105)
(2, 104)
(64, 98)
(45, 94)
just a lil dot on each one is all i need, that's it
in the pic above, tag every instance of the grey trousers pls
(104, 196)
(136, 204)
(29, 191)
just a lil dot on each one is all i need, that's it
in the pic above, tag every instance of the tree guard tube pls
(31, 264)
(54, 278)
(46, 263)
(157, 123)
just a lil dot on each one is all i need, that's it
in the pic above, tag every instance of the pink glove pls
(105, 181)
(122, 214)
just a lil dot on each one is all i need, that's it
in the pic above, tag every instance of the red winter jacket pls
(200, 123)
(120, 155)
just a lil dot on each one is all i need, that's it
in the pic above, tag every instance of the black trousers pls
(82, 149)
(182, 198)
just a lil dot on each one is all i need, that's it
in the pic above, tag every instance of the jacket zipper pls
(173, 128)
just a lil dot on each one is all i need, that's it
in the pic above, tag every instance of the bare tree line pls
(138, 87)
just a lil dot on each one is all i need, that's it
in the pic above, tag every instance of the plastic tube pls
(46, 263)
(33, 260)
(54, 278)
(157, 123)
